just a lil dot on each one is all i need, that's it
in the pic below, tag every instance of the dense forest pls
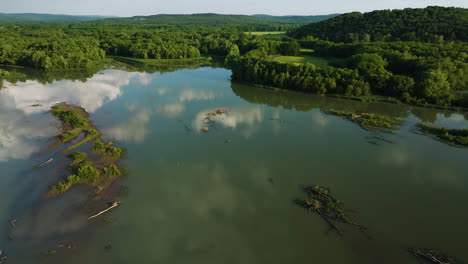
(79, 46)
(415, 72)
(431, 24)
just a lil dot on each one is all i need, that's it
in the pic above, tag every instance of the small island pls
(98, 166)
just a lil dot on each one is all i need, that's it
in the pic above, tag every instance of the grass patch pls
(371, 122)
(263, 33)
(83, 173)
(102, 148)
(457, 137)
(74, 121)
(268, 34)
(74, 117)
(77, 157)
(317, 61)
(112, 170)
(70, 135)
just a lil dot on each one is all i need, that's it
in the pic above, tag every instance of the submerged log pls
(328, 207)
(2, 257)
(433, 256)
(45, 163)
(115, 204)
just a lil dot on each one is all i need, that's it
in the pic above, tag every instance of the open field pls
(263, 33)
(318, 61)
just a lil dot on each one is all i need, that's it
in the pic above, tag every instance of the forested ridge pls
(218, 19)
(411, 24)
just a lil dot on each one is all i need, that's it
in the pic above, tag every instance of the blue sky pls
(273, 7)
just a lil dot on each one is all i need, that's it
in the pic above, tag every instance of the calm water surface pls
(226, 196)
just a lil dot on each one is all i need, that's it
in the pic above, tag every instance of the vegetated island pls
(98, 171)
(370, 122)
(456, 137)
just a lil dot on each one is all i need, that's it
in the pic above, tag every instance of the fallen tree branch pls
(45, 163)
(3, 259)
(12, 222)
(115, 204)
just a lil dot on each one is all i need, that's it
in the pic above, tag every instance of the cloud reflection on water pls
(19, 128)
(250, 116)
(91, 95)
(133, 129)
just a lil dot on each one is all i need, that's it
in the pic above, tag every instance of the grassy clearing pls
(317, 61)
(266, 33)
(457, 137)
(371, 122)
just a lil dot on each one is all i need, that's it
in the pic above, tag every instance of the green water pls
(226, 196)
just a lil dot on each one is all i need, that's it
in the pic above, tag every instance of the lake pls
(227, 196)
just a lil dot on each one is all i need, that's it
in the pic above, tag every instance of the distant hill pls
(32, 17)
(217, 19)
(423, 24)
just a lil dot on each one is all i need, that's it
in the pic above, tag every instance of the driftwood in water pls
(12, 222)
(433, 256)
(2, 257)
(327, 206)
(45, 163)
(115, 204)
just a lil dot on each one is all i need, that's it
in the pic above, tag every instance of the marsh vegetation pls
(96, 172)
(369, 121)
(457, 137)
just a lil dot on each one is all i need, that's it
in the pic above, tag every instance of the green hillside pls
(424, 24)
